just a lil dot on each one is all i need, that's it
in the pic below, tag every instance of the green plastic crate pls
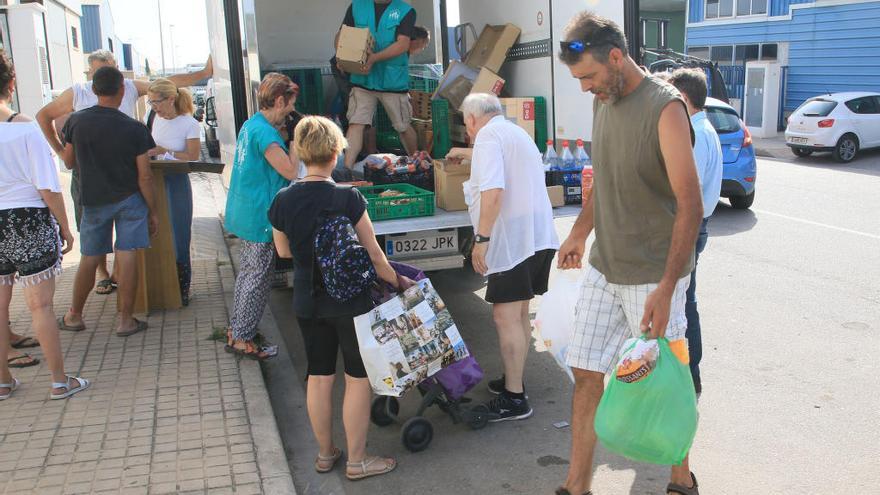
(388, 141)
(417, 202)
(541, 123)
(422, 84)
(311, 89)
(442, 128)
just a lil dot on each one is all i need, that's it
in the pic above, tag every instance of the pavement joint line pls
(265, 433)
(818, 224)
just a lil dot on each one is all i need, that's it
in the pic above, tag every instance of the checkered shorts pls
(608, 314)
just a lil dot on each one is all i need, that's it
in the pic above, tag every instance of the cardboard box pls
(521, 111)
(448, 184)
(461, 80)
(424, 134)
(491, 47)
(355, 46)
(421, 104)
(557, 195)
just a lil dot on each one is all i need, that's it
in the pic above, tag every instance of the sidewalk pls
(773, 147)
(168, 411)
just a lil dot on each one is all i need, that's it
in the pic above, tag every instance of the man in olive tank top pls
(646, 209)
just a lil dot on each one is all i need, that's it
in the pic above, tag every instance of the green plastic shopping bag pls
(653, 419)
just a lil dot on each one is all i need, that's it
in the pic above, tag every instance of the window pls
(110, 43)
(723, 120)
(722, 54)
(74, 37)
(716, 9)
(699, 52)
(865, 105)
(744, 53)
(816, 108)
(769, 51)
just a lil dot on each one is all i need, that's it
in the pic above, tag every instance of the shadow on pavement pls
(727, 220)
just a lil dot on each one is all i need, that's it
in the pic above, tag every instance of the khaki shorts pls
(362, 107)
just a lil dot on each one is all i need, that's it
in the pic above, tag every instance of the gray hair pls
(481, 104)
(102, 56)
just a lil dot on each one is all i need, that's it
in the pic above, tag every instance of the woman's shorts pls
(30, 247)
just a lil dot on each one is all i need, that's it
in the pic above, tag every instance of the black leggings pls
(324, 337)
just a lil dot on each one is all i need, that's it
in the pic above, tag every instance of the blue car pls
(740, 166)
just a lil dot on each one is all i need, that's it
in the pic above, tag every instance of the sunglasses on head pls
(575, 46)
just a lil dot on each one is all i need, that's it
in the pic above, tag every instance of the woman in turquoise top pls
(262, 166)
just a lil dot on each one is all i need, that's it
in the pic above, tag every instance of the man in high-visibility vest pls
(385, 76)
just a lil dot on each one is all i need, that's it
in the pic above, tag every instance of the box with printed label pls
(490, 50)
(521, 111)
(461, 80)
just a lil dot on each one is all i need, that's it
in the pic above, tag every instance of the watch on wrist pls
(480, 239)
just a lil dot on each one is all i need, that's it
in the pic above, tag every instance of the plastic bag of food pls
(648, 412)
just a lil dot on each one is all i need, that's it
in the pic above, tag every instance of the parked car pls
(842, 123)
(740, 166)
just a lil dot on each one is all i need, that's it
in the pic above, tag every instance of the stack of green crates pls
(311, 89)
(443, 126)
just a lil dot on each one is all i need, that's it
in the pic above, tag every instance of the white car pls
(842, 123)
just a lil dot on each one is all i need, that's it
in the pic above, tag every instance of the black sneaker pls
(506, 408)
(496, 386)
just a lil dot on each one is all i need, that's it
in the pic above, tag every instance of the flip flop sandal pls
(12, 388)
(13, 362)
(564, 491)
(683, 490)
(82, 382)
(105, 287)
(139, 326)
(25, 343)
(325, 464)
(365, 471)
(252, 351)
(70, 328)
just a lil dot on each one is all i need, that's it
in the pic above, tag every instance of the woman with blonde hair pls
(176, 134)
(327, 324)
(262, 166)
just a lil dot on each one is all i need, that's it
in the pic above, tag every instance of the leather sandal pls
(683, 490)
(325, 464)
(564, 491)
(371, 466)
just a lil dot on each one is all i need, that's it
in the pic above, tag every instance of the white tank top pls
(84, 97)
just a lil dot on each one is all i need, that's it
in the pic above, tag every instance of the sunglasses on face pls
(153, 103)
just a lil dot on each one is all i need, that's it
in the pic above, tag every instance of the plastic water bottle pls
(568, 162)
(551, 159)
(581, 158)
(586, 165)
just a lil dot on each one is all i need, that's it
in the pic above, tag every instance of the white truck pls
(248, 36)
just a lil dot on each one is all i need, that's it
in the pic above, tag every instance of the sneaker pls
(505, 408)
(496, 386)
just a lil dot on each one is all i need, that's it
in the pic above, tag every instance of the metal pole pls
(161, 38)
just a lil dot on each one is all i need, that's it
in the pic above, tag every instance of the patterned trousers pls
(251, 288)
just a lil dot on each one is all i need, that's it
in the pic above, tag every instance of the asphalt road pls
(789, 294)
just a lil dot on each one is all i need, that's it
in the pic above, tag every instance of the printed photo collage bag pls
(409, 337)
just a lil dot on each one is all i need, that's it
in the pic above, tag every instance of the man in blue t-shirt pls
(109, 149)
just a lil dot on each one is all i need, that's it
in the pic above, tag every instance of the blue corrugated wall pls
(831, 49)
(90, 26)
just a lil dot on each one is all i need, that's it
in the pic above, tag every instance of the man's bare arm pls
(675, 146)
(55, 109)
(395, 49)
(180, 80)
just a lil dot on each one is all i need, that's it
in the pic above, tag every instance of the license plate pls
(419, 243)
(797, 140)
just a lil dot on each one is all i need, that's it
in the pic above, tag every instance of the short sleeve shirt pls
(710, 164)
(254, 182)
(506, 158)
(27, 166)
(295, 212)
(405, 28)
(106, 143)
(172, 134)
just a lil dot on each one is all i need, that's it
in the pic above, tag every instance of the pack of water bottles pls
(573, 171)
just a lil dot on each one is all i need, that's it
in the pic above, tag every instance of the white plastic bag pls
(555, 319)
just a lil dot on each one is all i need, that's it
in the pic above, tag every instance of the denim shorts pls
(132, 226)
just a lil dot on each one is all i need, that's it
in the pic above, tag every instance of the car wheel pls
(801, 152)
(846, 148)
(742, 202)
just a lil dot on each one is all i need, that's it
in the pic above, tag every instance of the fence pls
(734, 79)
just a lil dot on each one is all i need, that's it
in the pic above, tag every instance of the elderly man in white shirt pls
(515, 240)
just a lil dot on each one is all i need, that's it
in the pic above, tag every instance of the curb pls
(275, 474)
